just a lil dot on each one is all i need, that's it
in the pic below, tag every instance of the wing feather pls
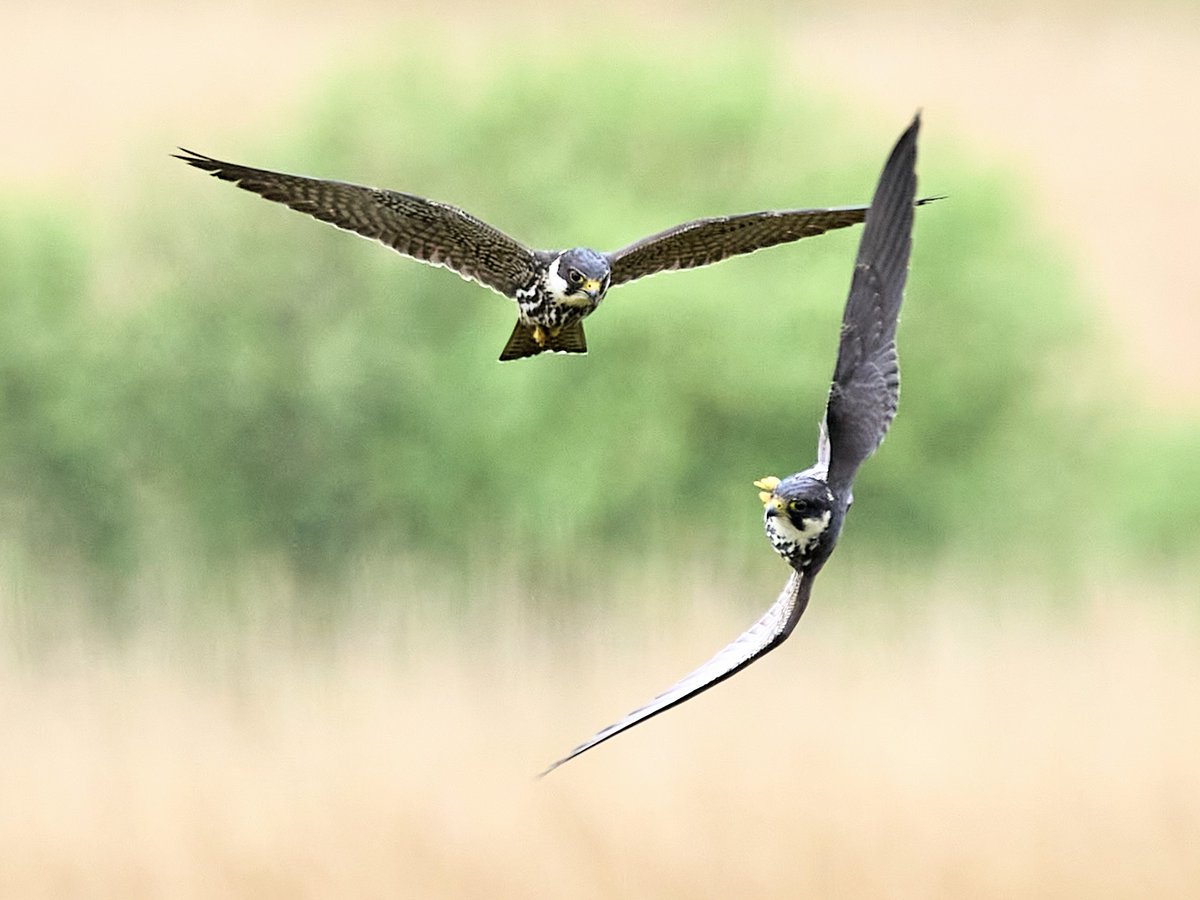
(426, 230)
(707, 241)
(759, 639)
(866, 380)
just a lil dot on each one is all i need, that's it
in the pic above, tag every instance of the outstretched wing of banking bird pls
(803, 513)
(554, 289)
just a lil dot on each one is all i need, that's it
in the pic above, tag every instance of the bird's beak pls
(766, 487)
(592, 287)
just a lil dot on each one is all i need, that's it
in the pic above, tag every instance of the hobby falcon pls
(803, 513)
(554, 289)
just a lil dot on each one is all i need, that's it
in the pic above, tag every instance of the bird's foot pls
(766, 486)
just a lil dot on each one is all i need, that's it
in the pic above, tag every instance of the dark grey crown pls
(581, 264)
(804, 497)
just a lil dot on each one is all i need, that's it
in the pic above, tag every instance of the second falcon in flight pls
(554, 290)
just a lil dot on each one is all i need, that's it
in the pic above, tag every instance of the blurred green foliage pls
(271, 387)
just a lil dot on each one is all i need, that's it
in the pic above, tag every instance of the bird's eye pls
(575, 277)
(796, 505)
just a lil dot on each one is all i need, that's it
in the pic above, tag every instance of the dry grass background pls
(923, 747)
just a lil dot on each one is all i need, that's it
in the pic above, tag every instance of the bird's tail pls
(522, 342)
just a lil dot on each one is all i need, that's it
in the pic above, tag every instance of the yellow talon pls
(539, 335)
(766, 486)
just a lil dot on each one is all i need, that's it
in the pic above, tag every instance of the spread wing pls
(706, 241)
(866, 378)
(760, 638)
(426, 230)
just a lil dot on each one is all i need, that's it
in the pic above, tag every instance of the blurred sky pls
(1093, 103)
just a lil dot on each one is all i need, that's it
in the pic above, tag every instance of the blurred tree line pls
(214, 377)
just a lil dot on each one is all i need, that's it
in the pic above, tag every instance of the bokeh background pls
(299, 586)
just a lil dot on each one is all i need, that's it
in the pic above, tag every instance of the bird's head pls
(796, 513)
(579, 275)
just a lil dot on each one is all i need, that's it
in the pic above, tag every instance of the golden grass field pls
(919, 746)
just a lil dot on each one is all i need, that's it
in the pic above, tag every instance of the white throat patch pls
(790, 540)
(556, 285)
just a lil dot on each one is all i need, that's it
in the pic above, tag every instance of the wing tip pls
(598, 738)
(199, 160)
(550, 768)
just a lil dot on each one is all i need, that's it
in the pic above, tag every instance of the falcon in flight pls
(555, 290)
(803, 513)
